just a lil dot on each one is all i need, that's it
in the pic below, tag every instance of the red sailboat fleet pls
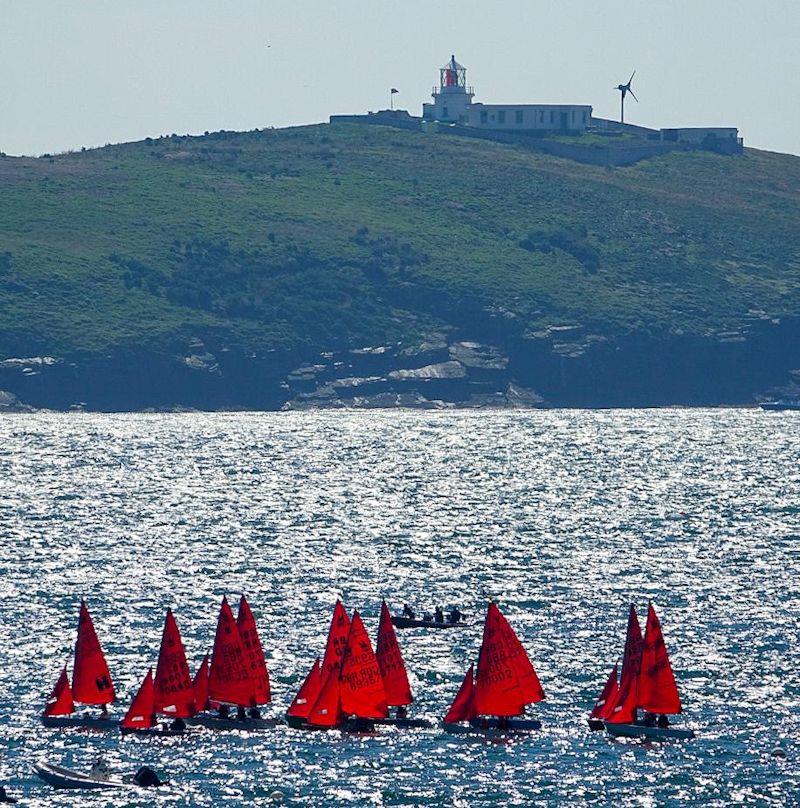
(646, 683)
(354, 687)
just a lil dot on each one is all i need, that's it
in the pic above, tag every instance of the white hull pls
(59, 777)
(651, 733)
(85, 721)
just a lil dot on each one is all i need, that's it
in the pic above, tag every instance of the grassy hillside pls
(318, 238)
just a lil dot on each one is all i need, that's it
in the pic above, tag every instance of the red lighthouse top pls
(453, 74)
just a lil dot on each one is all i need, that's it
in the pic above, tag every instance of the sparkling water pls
(565, 517)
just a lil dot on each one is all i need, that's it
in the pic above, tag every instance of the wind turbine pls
(624, 90)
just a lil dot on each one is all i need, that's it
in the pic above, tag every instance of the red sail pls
(200, 685)
(142, 712)
(362, 691)
(498, 690)
(528, 680)
(606, 699)
(254, 652)
(327, 709)
(390, 662)
(229, 678)
(622, 709)
(337, 640)
(173, 682)
(60, 700)
(463, 706)
(307, 695)
(658, 692)
(91, 680)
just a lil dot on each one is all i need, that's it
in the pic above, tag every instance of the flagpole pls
(391, 100)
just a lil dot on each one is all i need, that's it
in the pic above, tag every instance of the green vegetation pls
(322, 237)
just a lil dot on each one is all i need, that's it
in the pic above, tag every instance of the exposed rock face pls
(10, 403)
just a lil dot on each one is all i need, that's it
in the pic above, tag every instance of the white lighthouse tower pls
(452, 98)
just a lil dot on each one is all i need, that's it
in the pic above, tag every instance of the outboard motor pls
(147, 778)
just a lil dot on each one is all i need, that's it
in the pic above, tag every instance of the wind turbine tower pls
(624, 89)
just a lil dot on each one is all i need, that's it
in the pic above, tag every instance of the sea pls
(563, 517)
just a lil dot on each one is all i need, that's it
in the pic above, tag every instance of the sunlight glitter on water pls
(564, 516)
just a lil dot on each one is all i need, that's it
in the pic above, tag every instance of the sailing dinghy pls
(91, 683)
(170, 694)
(235, 677)
(303, 702)
(648, 684)
(394, 675)
(494, 701)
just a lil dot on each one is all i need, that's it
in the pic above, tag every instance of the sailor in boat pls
(409, 612)
(427, 617)
(439, 616)
(224, 711)
(402, 711)
(104, 712)
(254, 713)
(241, 714)
(100, 770)
(662, 721)
(177, 725)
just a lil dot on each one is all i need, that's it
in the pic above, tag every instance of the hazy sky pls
(89, 72)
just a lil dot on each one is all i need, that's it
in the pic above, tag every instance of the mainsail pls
(506, 680)
(91, 680)
(390, 662)
(362, 691)
(658, 692)
(254, 653)
(174, 691)
(229, 679)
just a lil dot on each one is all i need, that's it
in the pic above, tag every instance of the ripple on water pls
(565, 516)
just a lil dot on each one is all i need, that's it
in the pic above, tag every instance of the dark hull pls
(155, 732)
(781, 406)
(233, 724)
(490, 727)
(596, 724)
(407, 622)
(648, 733)
(80, 721)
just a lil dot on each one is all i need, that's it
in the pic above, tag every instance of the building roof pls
(453, 65)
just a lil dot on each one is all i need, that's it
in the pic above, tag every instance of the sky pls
(91, 72)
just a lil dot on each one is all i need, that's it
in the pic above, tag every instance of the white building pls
(452, 103)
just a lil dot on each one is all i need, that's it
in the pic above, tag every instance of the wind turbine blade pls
(634, 97)
(631, 78)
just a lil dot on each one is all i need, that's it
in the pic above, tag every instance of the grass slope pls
(306, 239)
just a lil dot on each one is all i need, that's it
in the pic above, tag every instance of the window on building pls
(519, 116)
(552, 116)
(484, 116)
(501, 116)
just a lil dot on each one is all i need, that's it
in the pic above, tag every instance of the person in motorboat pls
(409, 612)
(427, 617)
(241, 715)
(439, 617)
(177, 725)
(254, 712)
(100, 770)
(4, 795)
(662, 721)
(455, 616)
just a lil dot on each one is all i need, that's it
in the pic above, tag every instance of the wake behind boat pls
(91, 683)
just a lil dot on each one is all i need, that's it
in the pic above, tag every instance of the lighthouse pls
(453, 97)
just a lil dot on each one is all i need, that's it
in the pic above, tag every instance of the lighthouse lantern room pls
(452, 98)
